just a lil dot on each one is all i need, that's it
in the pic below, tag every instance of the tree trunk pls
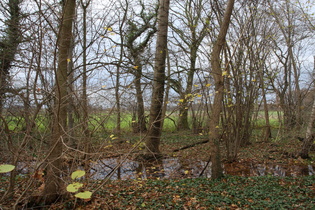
(140, 103)
(267, 131)
(53, 182)
(167, 89)
(214, 124)
(309, 137)
(117, 87)
(8, 46)
(183, 112)
(155, 123)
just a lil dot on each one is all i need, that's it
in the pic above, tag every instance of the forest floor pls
(267, 175)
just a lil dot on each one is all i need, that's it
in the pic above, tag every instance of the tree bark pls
(214, 136)
(309, 137)
(8, 49)
(154, 134)
(8, 46)
(53, 182)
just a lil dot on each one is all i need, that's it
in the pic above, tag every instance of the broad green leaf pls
(84, 195)
(5, 168)
(74, 187)
(77, 174)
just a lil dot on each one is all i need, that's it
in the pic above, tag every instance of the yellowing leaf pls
(68, 60)
(208, 85)
(5, 168)
(77, 174)
(188, 95)
(186, 172)
(84, 195)
(136, 67)
(199, 95)
(108, 28)
(74, 187)
(181, 100)
(196, 85)
(224, 73)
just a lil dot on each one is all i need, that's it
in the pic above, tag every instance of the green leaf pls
(77, 174)
(84, 195)
(74, 187)
(5, 168)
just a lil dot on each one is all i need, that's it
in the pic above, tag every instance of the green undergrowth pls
(231, 192)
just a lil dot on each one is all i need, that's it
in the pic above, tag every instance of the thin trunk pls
(155, 129)
(214, 136)
(309, 137)
(71, 107)
(183, 112)
(140, 103)
(53, 182)
(84, 99)
(117, 97)
(167, 89)
(267, 131)
(117, 87)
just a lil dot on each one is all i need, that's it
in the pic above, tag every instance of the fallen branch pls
(191, 145)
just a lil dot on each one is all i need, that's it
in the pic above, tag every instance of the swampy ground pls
(267, 175)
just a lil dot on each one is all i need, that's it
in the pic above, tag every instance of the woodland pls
(164, 104)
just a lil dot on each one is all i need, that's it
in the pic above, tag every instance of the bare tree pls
(154, 134)
(145, 29)
(293, 31)
(190, 26)
(53, 182)
(214, 123)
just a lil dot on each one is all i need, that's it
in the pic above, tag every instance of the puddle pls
(171, 168)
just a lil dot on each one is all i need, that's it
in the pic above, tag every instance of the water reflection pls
(171, 168)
